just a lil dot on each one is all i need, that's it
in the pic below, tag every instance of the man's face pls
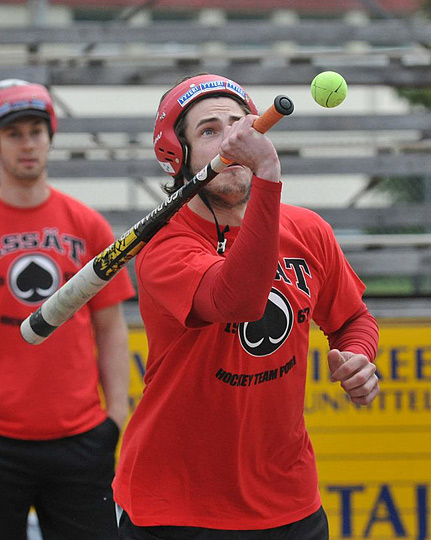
(24, 147)
(205, 123)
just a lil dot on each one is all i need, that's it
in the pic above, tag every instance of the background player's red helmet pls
(20, 98)
(169, 151)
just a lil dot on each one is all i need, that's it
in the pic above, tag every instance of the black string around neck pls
(221, 245)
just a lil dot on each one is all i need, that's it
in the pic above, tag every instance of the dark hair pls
(180, 131)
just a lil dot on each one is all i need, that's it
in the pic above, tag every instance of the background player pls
(57, 443)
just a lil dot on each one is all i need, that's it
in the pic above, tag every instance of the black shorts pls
(314, 527)
(68, 481)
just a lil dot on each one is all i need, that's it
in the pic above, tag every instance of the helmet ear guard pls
(171, 153)
(20, 98)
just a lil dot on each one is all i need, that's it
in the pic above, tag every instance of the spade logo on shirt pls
(33, 278)
(265, 336)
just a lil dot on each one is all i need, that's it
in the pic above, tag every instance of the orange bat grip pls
(266, 120)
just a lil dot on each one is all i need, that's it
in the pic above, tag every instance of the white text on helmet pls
(22, 105)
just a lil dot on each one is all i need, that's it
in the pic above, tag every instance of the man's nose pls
(28, 141)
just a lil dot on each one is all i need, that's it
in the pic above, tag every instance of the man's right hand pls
(246, 146)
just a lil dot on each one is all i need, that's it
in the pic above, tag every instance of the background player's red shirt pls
(50, 390)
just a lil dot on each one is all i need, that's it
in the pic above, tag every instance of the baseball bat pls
(90, 279)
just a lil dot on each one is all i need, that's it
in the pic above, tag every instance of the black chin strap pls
(221, 245)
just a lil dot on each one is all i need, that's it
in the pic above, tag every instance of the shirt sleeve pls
(170, 271)
(224, 292)
(360, 334)
(341, 292)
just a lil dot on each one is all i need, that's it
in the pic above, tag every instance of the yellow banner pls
(374, 462)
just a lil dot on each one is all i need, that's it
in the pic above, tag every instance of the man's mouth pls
(28, 162)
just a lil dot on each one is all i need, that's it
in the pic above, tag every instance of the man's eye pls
(208, 131)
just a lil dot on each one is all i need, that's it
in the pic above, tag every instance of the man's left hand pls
(356, 374)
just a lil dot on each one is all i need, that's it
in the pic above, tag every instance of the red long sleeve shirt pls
(218, 439)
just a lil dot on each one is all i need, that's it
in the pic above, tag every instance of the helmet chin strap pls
(221, 245)
(221, 240)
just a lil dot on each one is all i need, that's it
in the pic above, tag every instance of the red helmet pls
(21, 98)
(169, 151)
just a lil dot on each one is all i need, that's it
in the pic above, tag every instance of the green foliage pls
(398, 286)
(403, 190)
(416, 96)
(410, 190)
(426, 8)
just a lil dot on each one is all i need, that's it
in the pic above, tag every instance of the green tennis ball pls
(329, 89)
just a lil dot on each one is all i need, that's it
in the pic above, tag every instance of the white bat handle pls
(59, 307)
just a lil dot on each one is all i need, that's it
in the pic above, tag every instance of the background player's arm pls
(112, 343)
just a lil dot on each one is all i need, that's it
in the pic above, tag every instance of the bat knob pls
(283, 105)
